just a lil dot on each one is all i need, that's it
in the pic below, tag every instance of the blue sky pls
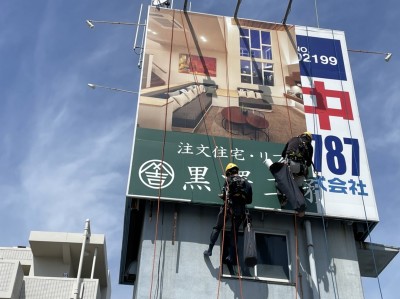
(65, 149)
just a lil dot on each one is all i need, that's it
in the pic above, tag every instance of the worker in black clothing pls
(236, 193)
(298, 153)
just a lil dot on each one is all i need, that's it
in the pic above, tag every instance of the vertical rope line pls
(237, 256)
(316, 12)
(201, 104)
(312, 85)
(284, 85)
(322, 192)
(160, 274)
(226, 179)
(161, 170)
(358, 176)
(214, 143)
(233, 228)
(297, 253)
(222, 249)
(228, 92)
(219, 159)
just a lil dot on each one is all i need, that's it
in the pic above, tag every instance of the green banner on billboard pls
(190, 167)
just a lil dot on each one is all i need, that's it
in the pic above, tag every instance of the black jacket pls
(299, 149)
(247, 190)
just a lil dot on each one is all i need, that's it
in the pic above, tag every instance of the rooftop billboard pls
(216, 90)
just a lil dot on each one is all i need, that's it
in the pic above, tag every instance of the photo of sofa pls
(190, 104)
(187, 105)
(252, 98)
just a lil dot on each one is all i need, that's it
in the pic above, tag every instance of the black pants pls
(237, 220)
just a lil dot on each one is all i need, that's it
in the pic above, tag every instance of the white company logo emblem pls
(156, 174)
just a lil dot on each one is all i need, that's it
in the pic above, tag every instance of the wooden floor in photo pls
(284, 123)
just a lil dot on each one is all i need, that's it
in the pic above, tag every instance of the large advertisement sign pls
(216, 90)
(331, 111)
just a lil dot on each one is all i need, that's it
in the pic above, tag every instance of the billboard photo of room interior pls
(216, 89)
(206, 74)
(213, 90)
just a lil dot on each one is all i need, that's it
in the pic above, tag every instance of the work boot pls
(208, 252)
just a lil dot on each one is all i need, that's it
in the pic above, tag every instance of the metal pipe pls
(367, 52)
(93, 86)
(174, 225)
(313, 271)
(289, 7)
(387, 55)
(92, 22)
(141, 49)
(137, 28)
(237, 9)
(77, 285)
(94, 262)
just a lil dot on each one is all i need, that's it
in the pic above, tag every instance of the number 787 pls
(335, 159)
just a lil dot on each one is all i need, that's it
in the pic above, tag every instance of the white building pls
(51, 267)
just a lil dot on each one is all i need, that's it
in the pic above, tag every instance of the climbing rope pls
(322, 194)
(297, 253)
(297, 261)
(334, 282)
(316, 12)
(284, 85)
(161, 168)
(214, 143)
(237, 255)
(362, 196)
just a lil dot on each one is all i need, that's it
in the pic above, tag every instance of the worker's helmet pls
(230, 166)
(308, 134)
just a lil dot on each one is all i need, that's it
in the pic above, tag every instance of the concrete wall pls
(51, 288)
(11, 278)
(338, 271)
(181, 270)
(52, 267)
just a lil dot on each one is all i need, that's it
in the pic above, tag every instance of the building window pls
(256, 63)
(272, 258)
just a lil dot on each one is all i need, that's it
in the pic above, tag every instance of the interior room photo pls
(219, 76)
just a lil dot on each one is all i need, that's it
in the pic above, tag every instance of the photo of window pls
(256, 57)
